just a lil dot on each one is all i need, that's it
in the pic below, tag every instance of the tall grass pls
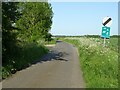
(111, 43)
(27, 54)
(99, 64)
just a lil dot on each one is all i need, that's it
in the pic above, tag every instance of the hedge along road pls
(60, 68)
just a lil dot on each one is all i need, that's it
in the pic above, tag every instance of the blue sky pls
(82, 18)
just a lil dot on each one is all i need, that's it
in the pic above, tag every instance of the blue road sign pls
(105, 32)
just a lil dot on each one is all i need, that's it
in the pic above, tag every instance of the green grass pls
(53, 41)
(111, 43)
(27, 54)
(99, 64)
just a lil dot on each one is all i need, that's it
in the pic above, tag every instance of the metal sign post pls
(107, 21)
(104, 42)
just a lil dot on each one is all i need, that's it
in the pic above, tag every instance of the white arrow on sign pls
(107, 21)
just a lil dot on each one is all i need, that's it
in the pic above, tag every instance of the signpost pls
(107, 21)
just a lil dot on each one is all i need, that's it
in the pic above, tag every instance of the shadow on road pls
(52, 55)
(58, 41)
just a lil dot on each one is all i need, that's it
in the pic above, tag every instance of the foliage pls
(27, 55)
(9, 16)
(35, 22)
(99, 64)
(25, 26)
(52, 41)
(48, 37)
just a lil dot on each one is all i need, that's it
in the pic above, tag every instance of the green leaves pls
(36, 20)
(24, 23)
(9, 16)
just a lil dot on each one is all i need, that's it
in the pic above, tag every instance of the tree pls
(9, 16)
(35, 22)
(48, 37)
(26, 22)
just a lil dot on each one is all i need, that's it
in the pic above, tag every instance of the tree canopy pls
(24, 22)
(35, 21)
(9, 16)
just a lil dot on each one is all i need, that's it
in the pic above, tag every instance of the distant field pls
(99, 64)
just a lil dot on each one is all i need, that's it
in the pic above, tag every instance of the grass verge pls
(99, 64)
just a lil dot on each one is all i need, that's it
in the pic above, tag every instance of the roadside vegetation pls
(25, 30)
(99, 64)
(23, 59)
(51, 42)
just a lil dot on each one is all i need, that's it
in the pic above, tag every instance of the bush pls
(27, 54)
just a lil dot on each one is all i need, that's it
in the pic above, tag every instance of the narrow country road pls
(60, 68)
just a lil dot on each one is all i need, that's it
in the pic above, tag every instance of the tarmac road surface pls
(60, 68)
